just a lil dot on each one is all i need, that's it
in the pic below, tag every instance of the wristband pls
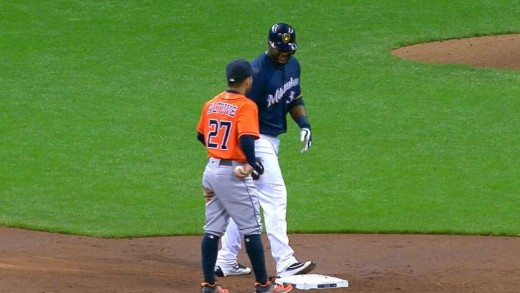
(303, 121)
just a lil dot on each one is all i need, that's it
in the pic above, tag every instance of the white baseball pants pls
(272, 195)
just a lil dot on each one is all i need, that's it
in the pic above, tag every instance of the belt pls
(222, 162)
(226, 162)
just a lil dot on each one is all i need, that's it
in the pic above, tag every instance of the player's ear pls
(249, 81)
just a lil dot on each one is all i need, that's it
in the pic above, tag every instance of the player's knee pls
(212, 236)
(251, 231)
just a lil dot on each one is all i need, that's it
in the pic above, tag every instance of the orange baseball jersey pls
(224, 119)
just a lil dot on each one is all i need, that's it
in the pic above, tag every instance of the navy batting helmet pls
(282, 37)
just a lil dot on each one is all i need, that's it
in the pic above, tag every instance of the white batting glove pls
(306, 139)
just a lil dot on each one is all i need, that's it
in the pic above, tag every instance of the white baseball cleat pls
(234, 270)
(298, 268)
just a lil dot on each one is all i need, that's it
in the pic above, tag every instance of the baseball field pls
(411, 185)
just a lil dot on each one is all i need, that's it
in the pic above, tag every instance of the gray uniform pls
(234, 197)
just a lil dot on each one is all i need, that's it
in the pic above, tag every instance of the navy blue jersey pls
(274, 88)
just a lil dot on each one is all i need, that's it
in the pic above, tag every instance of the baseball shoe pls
(208, 288)
(234, 270)
(273, 288)
(298, 268)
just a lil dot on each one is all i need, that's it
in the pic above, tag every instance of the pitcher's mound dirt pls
(502, 51)
(43, 262)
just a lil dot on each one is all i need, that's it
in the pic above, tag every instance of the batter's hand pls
(306, 139)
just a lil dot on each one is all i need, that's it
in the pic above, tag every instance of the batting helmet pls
(282, 37)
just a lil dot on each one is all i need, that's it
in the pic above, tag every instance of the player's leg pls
(243, 207)
(273, 200)
(215, 225)
(227, 260)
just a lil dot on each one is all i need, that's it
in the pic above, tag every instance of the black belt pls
(226, 162)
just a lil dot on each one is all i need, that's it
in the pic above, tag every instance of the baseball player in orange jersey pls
(228, 128)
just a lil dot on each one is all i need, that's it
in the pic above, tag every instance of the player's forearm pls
(200, 137)
(247, 143)
(299, 115)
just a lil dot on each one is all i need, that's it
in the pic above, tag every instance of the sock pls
(209, 249)
(255, 251)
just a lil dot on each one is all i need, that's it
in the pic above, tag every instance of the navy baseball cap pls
(238, 70)
(282, 37)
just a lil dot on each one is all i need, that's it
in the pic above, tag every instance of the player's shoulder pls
(245, 105)
(293, 61)
(215, 98)
(259, 58)
(262, 67)
(244, 100)
(260, 61)
(236, 98)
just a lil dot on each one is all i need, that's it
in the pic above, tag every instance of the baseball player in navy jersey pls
(276, 91)
(228, 128)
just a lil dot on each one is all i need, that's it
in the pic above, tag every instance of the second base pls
(313, 281)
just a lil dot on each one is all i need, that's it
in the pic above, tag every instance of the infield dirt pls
(39, 262)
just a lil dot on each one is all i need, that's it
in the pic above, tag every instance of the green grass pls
(99, 103)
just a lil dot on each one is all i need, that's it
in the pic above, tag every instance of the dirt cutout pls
(41, 262)
(502, 51)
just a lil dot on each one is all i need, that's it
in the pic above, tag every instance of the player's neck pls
(240, 91)
(233, 91)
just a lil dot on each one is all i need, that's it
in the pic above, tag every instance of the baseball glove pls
(258, 169)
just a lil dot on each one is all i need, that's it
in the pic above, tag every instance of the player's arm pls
(200, 137)
(247, 128)
(200, 126)
(299, 115)
(297, 106)
(247, 143)
(249, 133)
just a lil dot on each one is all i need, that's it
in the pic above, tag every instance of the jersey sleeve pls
(201, 126)
(248, 120)
(297, 88)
